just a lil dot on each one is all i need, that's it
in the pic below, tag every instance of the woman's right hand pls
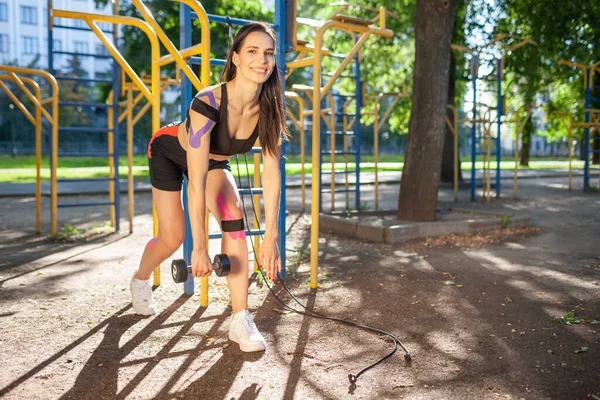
(201, 264)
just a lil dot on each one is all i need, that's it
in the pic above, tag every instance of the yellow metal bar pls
(204, 40)
(141, 113)
(53, 119)
(305, 62)
(130, 124)
(361, 41)
(204, 79)
(376, 148)
(30, 96)
(91, 20)
(111, 162)
(162, 36)
(316, 150)
(185, 53)
(18, 103)
(37, 122)
(129, 107)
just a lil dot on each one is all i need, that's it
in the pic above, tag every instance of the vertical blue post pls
(322, 129)
(499, 122)
(280, 32)
(473, 125)
(357, 130)
(51, 71)
(185, 38)
(116, 70)
(586, 131)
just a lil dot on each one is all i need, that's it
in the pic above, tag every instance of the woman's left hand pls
(269, 259)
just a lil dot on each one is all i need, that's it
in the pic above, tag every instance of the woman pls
(222, 120)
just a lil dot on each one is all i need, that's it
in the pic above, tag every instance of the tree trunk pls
(525, 154)
(448, 153)
(434, 21)
(527, 135)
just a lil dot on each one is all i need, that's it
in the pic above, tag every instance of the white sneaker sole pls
(248, 347)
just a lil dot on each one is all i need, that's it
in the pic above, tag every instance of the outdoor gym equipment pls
(592, 117)
(180, 269)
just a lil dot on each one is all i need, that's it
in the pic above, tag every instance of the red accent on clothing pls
(170, 130)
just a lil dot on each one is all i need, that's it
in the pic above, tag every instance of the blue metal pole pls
(116, 140)
(280, 30)
(586, 132)
(473, 126)
(185, 38)
(52, 72)
(322, 129)
(499, 122)
(358, 93)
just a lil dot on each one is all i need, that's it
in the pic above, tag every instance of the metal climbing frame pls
(188, 12)
(112, 130)
(592, 117)
(335, 128)
(15, 74)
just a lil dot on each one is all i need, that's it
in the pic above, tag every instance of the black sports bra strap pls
(204, 109)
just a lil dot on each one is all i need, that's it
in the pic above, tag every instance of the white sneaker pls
(141, 297)
(243, 331)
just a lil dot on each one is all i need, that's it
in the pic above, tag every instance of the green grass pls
(21, 169)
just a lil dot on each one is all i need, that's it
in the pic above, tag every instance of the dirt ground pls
(478, 313)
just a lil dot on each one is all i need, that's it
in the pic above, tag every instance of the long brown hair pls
(271, 122)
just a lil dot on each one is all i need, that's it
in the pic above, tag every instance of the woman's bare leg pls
(171, 231)
(224, 203)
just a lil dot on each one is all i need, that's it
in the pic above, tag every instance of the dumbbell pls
(180, 269)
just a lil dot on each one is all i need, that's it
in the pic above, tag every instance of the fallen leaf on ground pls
(583, 349)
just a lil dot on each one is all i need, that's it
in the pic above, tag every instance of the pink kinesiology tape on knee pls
(227, 215)
(152, 243)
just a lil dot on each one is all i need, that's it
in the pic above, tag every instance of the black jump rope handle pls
(180, 270)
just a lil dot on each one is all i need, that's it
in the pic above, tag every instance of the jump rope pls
(352, 378)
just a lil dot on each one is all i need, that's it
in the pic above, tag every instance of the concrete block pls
(338, 225)
(400, 233)
(372, 231)
(485, 224)
(431, 229)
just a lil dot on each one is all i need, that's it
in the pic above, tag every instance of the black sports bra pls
(221, 142)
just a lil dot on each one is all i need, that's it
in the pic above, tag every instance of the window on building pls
(45, 16)
(101, 50)
(104, 26)
(78, 23)
(57, 45)
(3, 12)
(80, 47)
(30, 45)
(3, 44)
(29, 15)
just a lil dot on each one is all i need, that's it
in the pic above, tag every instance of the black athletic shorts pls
(168, 160)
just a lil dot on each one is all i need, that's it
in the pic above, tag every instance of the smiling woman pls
(222, 120)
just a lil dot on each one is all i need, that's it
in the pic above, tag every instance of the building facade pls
(24, 35)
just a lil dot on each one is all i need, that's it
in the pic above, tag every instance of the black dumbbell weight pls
(180, 269)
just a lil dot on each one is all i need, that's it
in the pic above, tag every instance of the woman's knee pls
(232, 217)
(172, 239)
